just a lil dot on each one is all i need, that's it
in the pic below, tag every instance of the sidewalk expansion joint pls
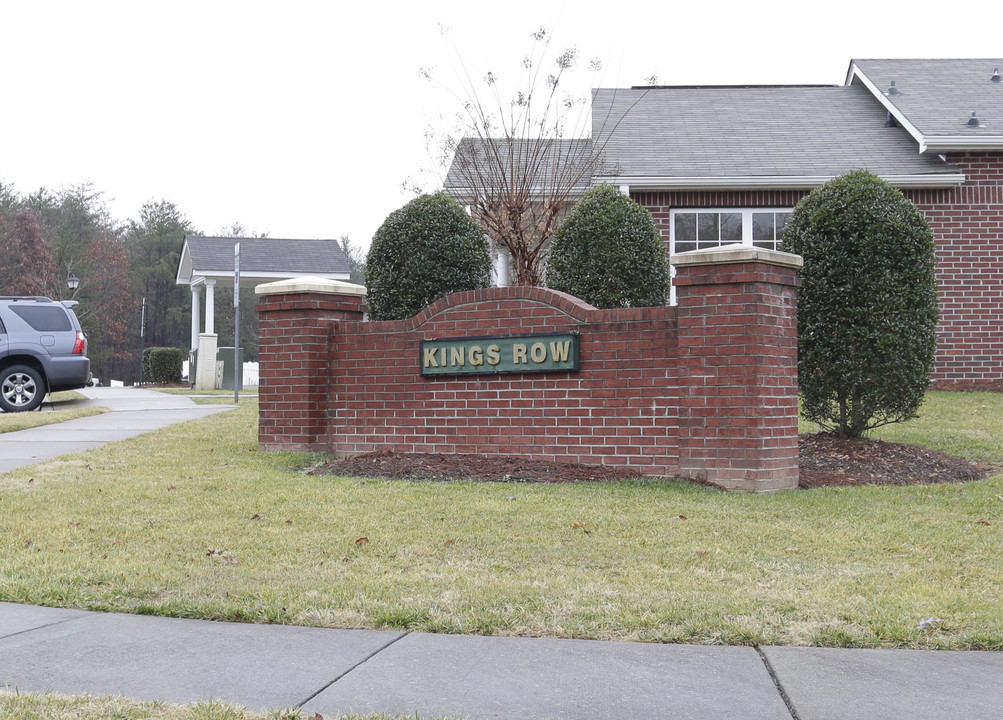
(776, 681)
(42, 627)
(363, 661)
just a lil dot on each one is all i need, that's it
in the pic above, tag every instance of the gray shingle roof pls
(262, 258)
(767, 131)
(302, 257)
(939, 96)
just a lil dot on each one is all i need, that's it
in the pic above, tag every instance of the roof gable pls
(934, 99)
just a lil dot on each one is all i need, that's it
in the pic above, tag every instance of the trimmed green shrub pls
(608, 252)
(867, 308)
(423, 251)
(162, 365)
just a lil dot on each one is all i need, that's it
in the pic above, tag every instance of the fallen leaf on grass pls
(362, 541)
(984, 522)
(255, 516)
(223, 556)
(448, 543)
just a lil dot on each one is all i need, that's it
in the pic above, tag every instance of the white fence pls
(249, 373)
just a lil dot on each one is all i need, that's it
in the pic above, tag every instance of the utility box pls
(231, 358)
(205, 370)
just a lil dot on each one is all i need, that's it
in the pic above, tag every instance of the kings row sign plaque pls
(494, 355)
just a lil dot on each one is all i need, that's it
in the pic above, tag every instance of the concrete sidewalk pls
(131, 412)
(335, 672)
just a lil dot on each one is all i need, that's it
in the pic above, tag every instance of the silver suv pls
(42, 350)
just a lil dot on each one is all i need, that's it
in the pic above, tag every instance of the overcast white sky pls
(302, 118)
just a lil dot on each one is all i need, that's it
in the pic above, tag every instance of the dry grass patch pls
(62, 409)
(33, 706)
(193, 521)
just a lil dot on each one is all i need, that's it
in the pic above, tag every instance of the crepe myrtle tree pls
(867, 307)
(522, 148)
(423, 251)
(608, 252)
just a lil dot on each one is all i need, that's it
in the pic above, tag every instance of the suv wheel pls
(21, 388)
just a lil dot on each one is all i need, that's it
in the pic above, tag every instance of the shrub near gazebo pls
(423, 251)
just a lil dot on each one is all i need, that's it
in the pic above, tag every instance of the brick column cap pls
(728, 254)
(310, 284)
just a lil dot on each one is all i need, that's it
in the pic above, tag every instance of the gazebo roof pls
(261, 260)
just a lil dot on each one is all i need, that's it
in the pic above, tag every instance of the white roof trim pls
(927, 143)
(773, 182)
(228, 272)
(879, 94)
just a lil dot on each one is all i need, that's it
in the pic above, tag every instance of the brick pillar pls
(738, 367)
(295, 318)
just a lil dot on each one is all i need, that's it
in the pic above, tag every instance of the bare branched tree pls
(520, 157)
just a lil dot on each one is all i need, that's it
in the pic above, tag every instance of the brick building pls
(723, 165)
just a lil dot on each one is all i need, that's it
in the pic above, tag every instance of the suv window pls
(43, 318)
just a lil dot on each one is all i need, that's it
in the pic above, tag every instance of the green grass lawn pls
(194, 521)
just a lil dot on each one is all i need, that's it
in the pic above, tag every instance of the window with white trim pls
(697, 229)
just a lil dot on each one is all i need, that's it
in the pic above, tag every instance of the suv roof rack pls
(34, 298)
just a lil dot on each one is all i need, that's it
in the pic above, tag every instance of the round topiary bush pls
(608, 252)
(423, 251)
(867, 308)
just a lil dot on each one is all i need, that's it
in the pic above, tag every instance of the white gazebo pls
(208, 262)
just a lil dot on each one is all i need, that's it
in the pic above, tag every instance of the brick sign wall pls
(707, 389)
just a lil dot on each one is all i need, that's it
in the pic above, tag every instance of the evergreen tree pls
(155, 242)
(867, 307)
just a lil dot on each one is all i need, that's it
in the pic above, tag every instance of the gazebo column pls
(210, 306)
(195, 316)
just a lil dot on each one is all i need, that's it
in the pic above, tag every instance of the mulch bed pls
(825, 461)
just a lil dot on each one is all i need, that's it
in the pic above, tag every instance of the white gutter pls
(948, 143)
(773, 182)
(467, 195)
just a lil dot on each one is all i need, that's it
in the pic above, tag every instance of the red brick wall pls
(293, 383)
(706, 389)
(967, 223)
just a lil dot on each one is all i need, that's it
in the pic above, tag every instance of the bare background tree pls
(520, 154)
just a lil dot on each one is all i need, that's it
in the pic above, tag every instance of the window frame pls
(746, 241)
(746, 214)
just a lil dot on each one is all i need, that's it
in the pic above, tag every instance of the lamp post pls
(73, 282)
